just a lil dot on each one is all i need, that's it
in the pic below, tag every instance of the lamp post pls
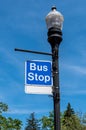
(54, 21)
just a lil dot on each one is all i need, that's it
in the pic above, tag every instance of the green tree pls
(3, 107)
(13, 124)
(70, 121)
(48, 122)
(32, 123)
(69, 112)
(84, 119)
(8, 123)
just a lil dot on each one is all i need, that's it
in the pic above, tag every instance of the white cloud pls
(27, 111)
(74, 68)
(73, 91)
(78, 69)
(18, 111)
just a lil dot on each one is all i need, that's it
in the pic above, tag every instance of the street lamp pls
(54, 21)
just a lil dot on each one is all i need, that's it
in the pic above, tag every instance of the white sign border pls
(38, 90)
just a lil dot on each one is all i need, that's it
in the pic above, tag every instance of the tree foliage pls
(32, 123)
(8, 123)
(3, 107)
(69, 120)
(48, 122)
(69, 111)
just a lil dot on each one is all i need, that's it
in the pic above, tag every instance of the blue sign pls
(38, 73)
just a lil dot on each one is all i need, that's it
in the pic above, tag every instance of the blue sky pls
(22, 25)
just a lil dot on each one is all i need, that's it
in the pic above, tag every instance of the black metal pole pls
(56, 91)
(54, 38)
(35, 52)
